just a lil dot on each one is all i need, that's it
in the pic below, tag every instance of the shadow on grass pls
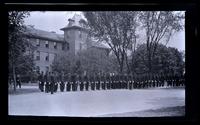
(23, 91)
(162, 112)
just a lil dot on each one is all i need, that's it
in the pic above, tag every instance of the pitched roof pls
(30, 31)
(76, 23)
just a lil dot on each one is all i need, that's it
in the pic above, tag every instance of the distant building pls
(50, 44)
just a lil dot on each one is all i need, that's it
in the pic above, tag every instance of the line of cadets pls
(50, 82)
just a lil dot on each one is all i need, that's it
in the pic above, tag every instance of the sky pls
(55, 20)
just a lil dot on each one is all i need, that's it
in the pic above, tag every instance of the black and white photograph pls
(96, 63)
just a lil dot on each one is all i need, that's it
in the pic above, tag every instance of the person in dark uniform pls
(97, 81)
(171, 79)
(137, 81)
(140, 81)
(18, 80)
(94, 79)
(81, 83)
(162, 80)
(69, 82)
(126, 81)
(39, 80)
(73, 82)
(116, 81)
(111, 81)
(56, 80)
(155, 79)
(102, 82)
(145, 80)
(181, 80)
(86, 82)
(42, 81)
(134, 81)
(108, 81)
(52, 81)
(47, 82)
(92, 82)
(67, 77)
(76, 82)
(149, 80)
(62, 85)
(168, 80)
(177, 79)
(129, 82)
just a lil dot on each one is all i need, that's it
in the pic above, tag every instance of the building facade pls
(50, 44)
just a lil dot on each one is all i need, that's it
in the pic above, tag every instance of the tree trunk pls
(14, 77)
(128, 68)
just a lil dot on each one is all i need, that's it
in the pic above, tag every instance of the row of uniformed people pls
(50, 82)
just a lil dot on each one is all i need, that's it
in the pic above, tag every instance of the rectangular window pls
(37, 42)
(38, 55)
(47, 57)
(47, 44)
(63, 46)
(67, 46)
(55, 45)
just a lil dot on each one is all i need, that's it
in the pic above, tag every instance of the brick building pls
(50, 44)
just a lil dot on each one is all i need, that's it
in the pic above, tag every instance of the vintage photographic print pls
(96, 63)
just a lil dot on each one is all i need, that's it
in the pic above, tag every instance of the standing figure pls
(92, 82)
(129, 82)
(62, 84)
(76, 82)
(81, 83)
(102, 82)
(56, 80)
(42, 82)
(47, 80)
(52, 82)
(111, 81)
(39, 82)
(18, 80)
(72, 81)
(108, 81)
(68, 82)
(86, 82)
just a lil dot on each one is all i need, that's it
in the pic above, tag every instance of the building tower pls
(75, 33)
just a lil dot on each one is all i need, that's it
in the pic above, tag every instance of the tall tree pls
(166, 60)
(17, 42)
(115, 28)
(159, 25)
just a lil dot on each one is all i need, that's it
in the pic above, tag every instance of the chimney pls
(71, 21)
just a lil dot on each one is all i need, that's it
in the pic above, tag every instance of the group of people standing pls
(51, 81)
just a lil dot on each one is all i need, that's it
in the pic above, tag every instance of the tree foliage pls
(166, 60)
(19, 62)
